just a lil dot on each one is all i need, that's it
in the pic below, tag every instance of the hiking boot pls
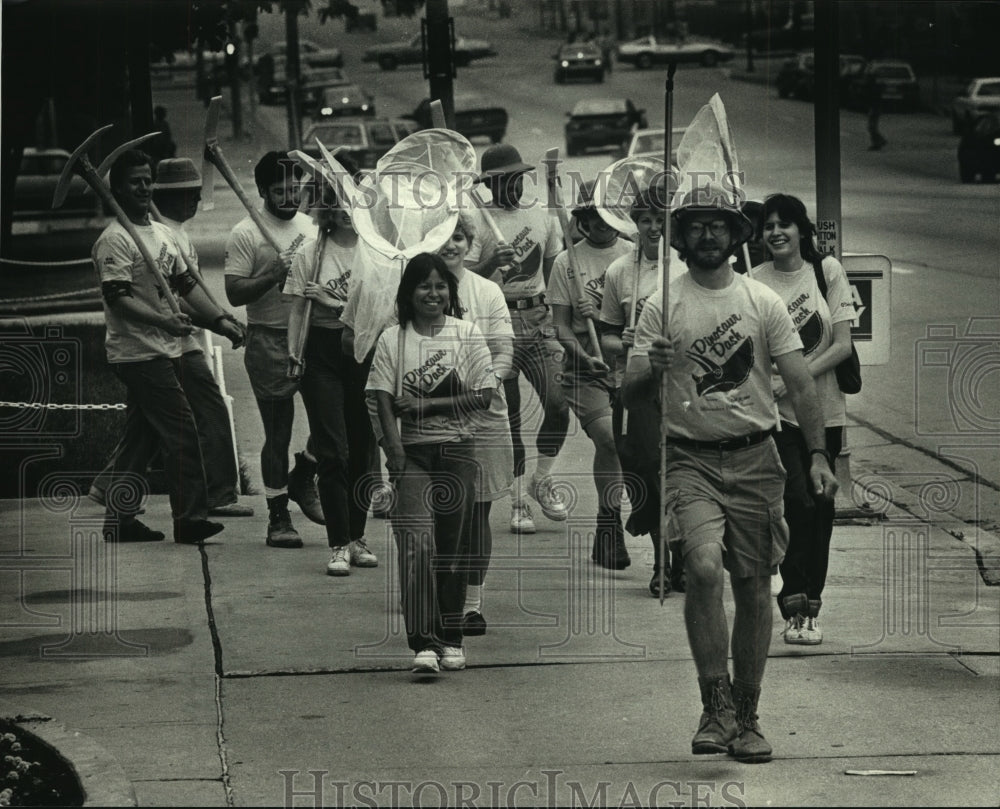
(473, 624)
(749, 746)
(717, 727)
(340, 562)
(360, 555)
(130, 530)
(654, 583)
(610, 550)
(280, 532)
(521, 520)
(194, 532)
(302, 488)
(542, 491)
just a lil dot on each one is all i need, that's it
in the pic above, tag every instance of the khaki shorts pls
(266, 359)
(733, 499)
(589, 398)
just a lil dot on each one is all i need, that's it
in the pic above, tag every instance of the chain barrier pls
(58, 406)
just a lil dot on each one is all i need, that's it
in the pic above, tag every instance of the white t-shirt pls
(334, 276)
(452, 362)
(482, 303)
(534, 235)
(117, 258)
(814, 318)
(191, 342)
(248, 253)
(719, 385)
(593, 264)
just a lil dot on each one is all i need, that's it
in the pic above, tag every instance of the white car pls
(648, 51)
(651, 142)
(982, 96)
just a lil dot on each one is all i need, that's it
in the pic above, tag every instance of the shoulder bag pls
(849, 371)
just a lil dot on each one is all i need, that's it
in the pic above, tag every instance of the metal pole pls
(750, 68)
(439, 57)
(292, 76)
(827, 128)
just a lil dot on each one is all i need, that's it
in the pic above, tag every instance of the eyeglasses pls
(695, 230)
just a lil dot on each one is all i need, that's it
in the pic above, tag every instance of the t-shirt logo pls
(808, 324)
(725, 355)
(435, 377)
(527, 259)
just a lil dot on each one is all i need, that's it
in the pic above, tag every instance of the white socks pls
(473, 599)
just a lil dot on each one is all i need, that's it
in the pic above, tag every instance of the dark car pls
(364, 140)
(797, 76)
(783, 37)
(580, 59)
(602, 122)
(345, 99)
(310, 54)
(979, 150)
(36, 183)
(393, 54)
(894, 81)
(272, 86)
(474, 116)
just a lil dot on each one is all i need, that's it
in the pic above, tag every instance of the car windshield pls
(337, 135)
(650, 142)
(988, 126)
(599, 106)
(382, 134)
(583, 49)
(990, 88)
(893, 72)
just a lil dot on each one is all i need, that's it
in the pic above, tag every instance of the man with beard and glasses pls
(724, 480)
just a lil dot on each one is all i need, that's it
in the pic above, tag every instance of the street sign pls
(870, 277)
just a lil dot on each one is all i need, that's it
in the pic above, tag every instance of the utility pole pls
(439, 56)
(749, 13)
(293, 79)
(827, 128)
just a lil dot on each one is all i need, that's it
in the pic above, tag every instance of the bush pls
(32, 773)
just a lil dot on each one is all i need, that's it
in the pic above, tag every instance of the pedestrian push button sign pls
(870, 277)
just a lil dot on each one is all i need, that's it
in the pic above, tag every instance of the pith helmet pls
(716, 199)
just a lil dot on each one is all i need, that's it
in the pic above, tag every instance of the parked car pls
(797, 76)
(393, 54)
(364, 140)
(36, 183)
(310, 54)
(272, 86)
(979, 150)
(602, 122)
(648, 51)
(581, 59)
(474, 116)
(982, 96)
(896, 82)
(650, 142)
(345, 99)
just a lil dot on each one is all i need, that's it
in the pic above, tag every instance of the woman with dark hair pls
(432, 371)
(824, 326)
(333, 384)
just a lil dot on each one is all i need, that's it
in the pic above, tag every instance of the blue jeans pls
(435, 496)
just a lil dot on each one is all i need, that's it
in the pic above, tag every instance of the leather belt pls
(725, 445)
(526, 303)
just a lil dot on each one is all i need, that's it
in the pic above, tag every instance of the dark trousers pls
(555, 411)
(212, 419)
(159, 414)
(278, 417)
(333, 389)
(432, 545)
(809, 517)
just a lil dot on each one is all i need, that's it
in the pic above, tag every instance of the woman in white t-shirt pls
(824, 326)
(434, 372)
(482, 302)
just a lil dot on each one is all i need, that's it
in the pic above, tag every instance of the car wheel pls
(966, 173)
(558, 78)
(709, 58)
(644, 61)
(600, 77)
(387, 62)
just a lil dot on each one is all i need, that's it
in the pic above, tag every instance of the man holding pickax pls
(145, 330)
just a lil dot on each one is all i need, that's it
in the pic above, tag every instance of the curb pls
(101, 777)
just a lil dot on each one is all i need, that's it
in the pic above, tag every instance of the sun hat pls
(175, 173)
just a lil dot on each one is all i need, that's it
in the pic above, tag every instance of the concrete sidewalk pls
(236, 674)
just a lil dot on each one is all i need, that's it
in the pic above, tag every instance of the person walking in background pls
(638, 447)
(724, 480)
(824, 326)
(176, 192)
(481, 302)
(255, 276)
(332, 385)
(873, 92)
(447, 376)
(144, 349)
(586, 380)
(521, 265)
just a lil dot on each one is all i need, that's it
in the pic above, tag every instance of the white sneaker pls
(360, 555)
(521, 521)
(812, 635)
(551, 501)
(792, 633)
(340, 562)
(453, 658)
(426, 661)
